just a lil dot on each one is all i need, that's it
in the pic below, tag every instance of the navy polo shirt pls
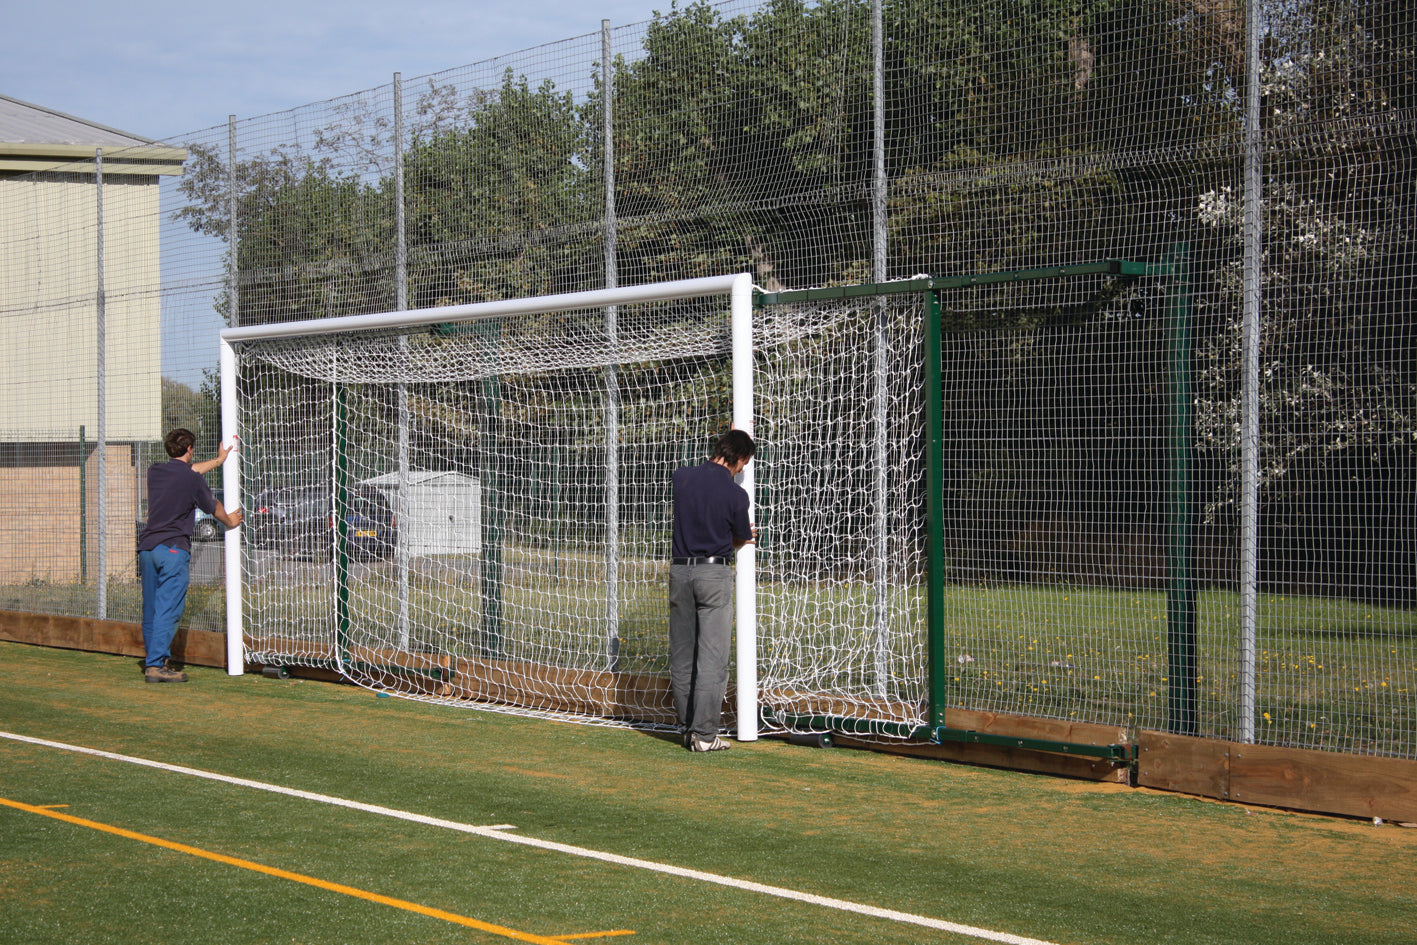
(710, 511)
(175, 492)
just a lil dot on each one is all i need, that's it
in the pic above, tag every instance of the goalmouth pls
(549, 425)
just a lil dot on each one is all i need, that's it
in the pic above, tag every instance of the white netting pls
(839, 395)
(459, 541)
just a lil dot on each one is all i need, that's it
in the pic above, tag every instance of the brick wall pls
(46, 535)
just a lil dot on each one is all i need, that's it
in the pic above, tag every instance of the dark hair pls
(735, 446)
(179, 441)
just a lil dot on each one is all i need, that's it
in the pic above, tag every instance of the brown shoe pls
(163, 674)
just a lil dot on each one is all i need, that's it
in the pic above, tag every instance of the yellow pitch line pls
(296, 877)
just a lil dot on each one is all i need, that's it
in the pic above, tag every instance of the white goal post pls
(737, 288)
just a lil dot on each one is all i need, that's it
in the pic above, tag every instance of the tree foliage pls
(1018, 135)
(196, 410)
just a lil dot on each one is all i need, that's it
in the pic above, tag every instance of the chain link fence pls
(831, 144)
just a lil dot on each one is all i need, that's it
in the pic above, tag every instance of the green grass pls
(1055, 860)
(1331, 674)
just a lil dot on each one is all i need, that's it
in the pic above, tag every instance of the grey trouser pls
(700, 639)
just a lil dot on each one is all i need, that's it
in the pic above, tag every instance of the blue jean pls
(165, 576)
(700, 639)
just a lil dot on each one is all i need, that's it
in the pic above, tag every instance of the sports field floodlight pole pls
(739, 289)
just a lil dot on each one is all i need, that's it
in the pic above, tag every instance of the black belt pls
(712, 559)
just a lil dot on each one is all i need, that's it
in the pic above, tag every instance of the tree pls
(311, 242)
(1059, 133)
(196, 410)
(501, 205)
(1338, 397)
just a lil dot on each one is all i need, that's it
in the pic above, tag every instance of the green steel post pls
(83, 507)
(935, 506)
(1181, 594)
(557, 540)
(492, 525)
(340, 557)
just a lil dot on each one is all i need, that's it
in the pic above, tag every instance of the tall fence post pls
(339, 558)
(493, 512)
(102, 397)
(233, 288)
(879, 226)
(1250, 392)
(83, 505)
(612, 378)
(400, 222)
(231, 476)
(401, 548)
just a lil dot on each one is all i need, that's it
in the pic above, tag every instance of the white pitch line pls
(498, 832)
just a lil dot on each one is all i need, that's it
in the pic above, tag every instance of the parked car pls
(206, 527)
(270, 513)
(301, 523)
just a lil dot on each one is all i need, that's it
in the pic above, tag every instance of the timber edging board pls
(1324, 782)
(1263, 775)
(115, 637)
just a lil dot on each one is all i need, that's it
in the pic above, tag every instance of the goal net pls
(840, 480)
(473, 503)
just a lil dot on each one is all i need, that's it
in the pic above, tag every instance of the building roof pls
(35, 124)
(35, 138)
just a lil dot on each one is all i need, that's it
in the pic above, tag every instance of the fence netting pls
(751, 137)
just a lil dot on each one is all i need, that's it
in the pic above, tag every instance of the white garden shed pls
(441, 513)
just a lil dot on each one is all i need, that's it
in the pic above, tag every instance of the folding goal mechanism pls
(1122, 753)
(1181, 608)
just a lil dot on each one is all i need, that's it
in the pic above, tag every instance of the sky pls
(162, 70)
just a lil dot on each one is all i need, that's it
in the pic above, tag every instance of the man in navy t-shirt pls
(176, 490)
(710, 524)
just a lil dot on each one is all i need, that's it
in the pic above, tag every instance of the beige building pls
(50, 304)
